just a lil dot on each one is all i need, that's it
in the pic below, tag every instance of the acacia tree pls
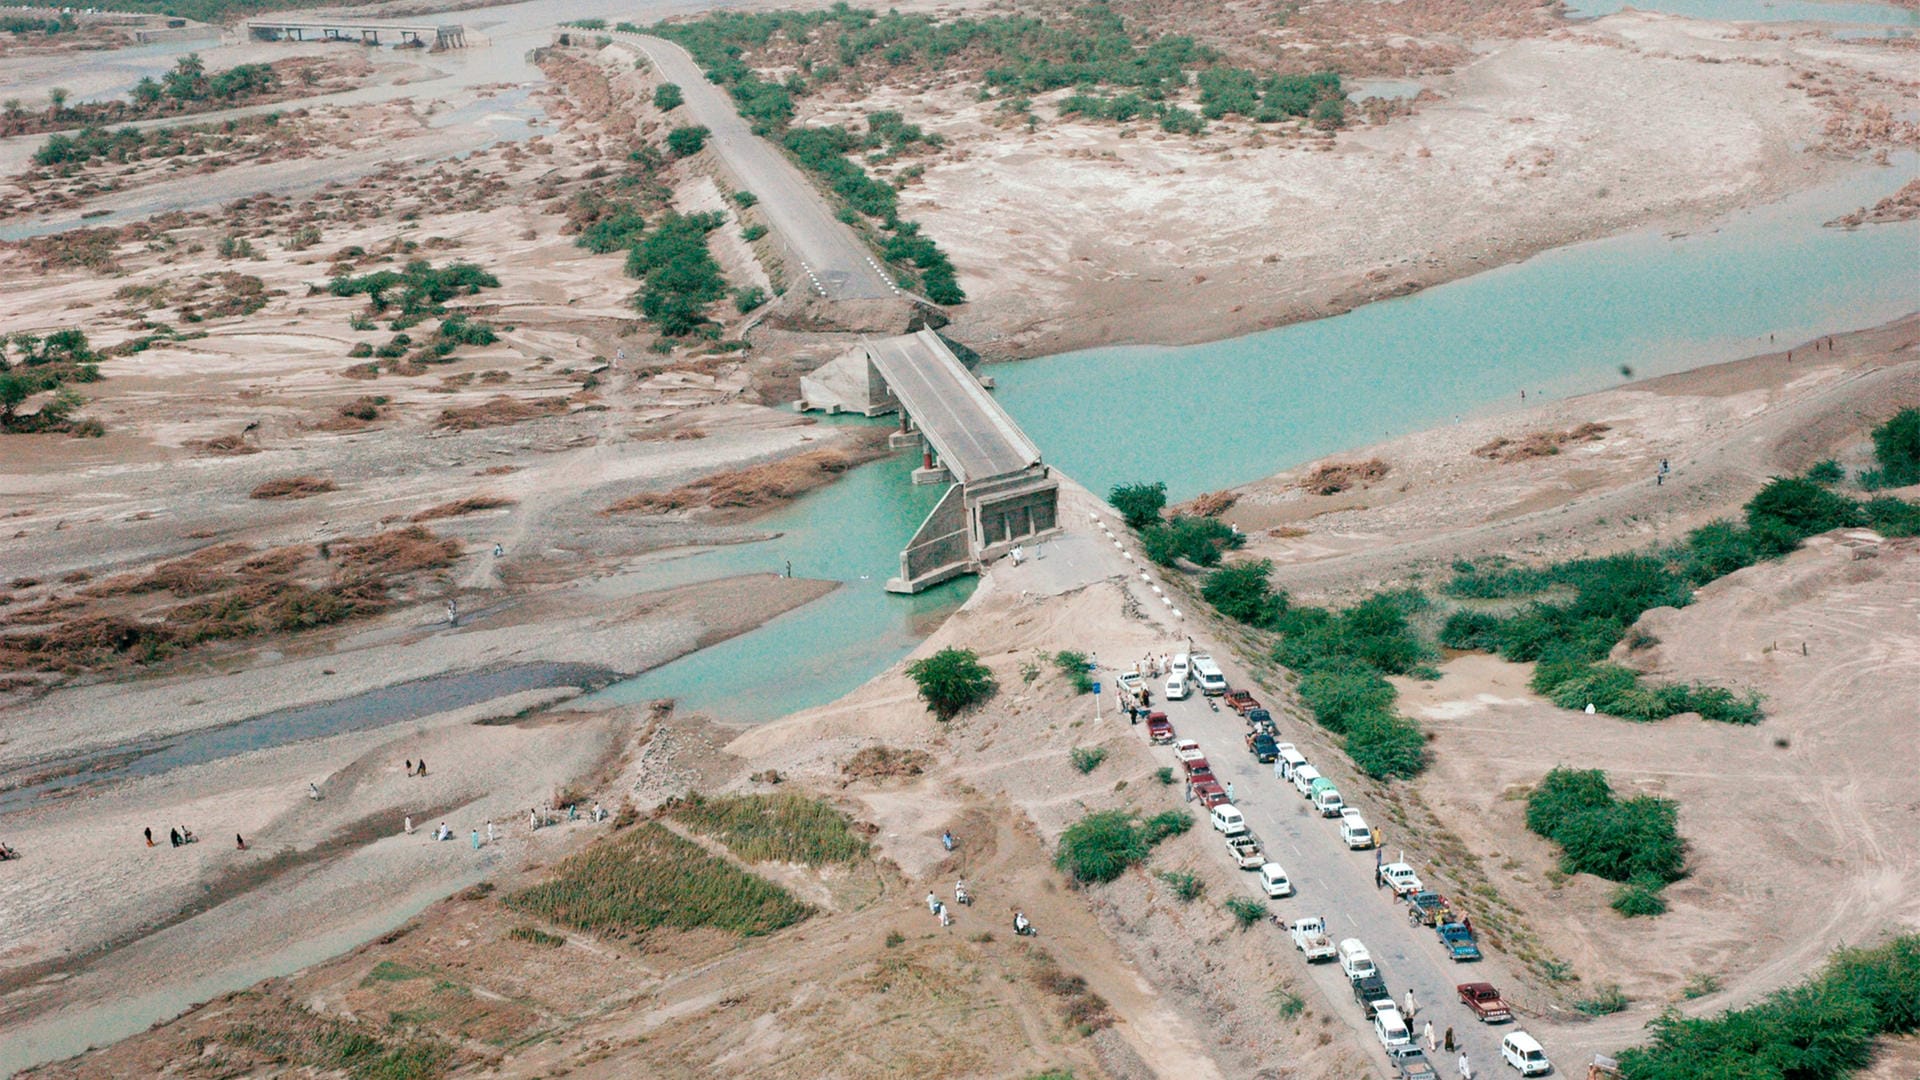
(951, 680)
(1139, 504)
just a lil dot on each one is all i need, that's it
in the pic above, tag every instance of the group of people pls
(6, 852)
(417, 768)
(180, 834)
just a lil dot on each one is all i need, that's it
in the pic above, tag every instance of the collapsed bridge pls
(1001, 494)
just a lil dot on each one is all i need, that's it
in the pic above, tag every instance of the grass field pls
(775, 828)
(647, 878)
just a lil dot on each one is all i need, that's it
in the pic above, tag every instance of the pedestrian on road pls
(149, 832)
(1189, 791)
(1229, 791)
(1448, 1043)
(1410, 1009)
(1428, 1035)
(1466, 1068)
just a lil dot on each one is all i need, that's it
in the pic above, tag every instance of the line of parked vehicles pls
(1454, 931)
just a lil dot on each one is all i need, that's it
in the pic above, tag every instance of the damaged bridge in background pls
(1000, 494)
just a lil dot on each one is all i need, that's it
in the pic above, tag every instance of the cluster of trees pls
(1100, 846)
(1199, 540)
(30, 365)
(1229, 91)
(20, 25)
(1823, 1029)
(1633, 841)
(417, 290)
(1576, 612)
(1131, 106)
(824, 150)
(125, 144)
(1896, 446)
(680, 277)
(720, 41)
(187, 88)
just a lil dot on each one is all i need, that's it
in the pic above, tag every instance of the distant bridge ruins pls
(451, 36)
(1001, 494)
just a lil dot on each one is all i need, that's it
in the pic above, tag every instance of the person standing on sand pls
(422, 770)
(406, 824)
(174, 835)
(489, 830)
(476, 839)
(239, 841)
(409, 766)
(149, 832)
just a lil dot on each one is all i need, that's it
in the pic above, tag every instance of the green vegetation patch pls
(951, 681)
(418, 289)
(774, 828)
(1822, 1029)
(679, 275)
(1139, 504)
(1100, 846)
(1896, 446)
(30, 365)
(1075, 667)
(647, 878)
(1634, 840)
(309, 1040)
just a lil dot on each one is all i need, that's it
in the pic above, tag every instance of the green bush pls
(686, 141)
(745, 198)
(1245, 593)
(753, 232)
(1100, 846)
(1166, 823)
(422, 289)
(1606, 1001)
(1200, 540)
(1826, 472)
(1896, 446)
(1139, 504)
(1820, 1030)
(1074, 666)
(1790, 509)
(1164, 774)
(1245, 911)
(1640, 898)
(1624, 840)
(951, 681)
(1088, 758)
(667, 96)
(1287, 1003)
(748, 297)
(680, 275)
(1187, 887)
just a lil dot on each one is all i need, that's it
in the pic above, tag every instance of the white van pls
(1180, 665)
(1213, 682)
(1290, 759)
(1354, 960)
(1228, 820)
(1523, 1052)
(1391, 1029)
(1178, 688)
(1355, 830)
(1274, 880)
(1303, 778)
(1326, 798)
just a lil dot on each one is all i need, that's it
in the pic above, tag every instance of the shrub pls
(686, 141)
(1187, 887)
(1287, 1003)
(1896, 446)
(1826, 472)
(1088, 758)
(533, 935)
(1199, 540)
(745, 198)
(1620, 840)
(1139, 504)
(748, 297)
(1640, 898)
(1074, 666)
(360, 350)
(952, 680)
(1164, 774)
(667, 96)
(1790, 509)
(1245, 593)
(753, 232)
(422, 288)
(1100, 846)
(1605, 1002)
(1245, 910)
(1167, 823)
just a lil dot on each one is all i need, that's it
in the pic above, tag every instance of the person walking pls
(406, 823)
(1447, 1043)
(149, 832)
(533, 818)
(1466, 1068)
(476, 839)
(239, 842)
(1467, 922)
(1229, 791)
(174, 836)
(933, 903)
(1410, 1009)
(422, 769)
(489, 830)
(1427, 1034)
(313, 791)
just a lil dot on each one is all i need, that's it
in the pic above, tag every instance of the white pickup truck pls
(1310, 937)
(1187, 750)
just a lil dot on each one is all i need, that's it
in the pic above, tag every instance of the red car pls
(1159, 728)
(1209, 792)
(1241, 701)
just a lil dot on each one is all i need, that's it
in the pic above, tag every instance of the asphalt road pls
(838, 264)
(1337, 883)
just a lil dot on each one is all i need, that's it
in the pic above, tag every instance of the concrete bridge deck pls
(441, 35)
